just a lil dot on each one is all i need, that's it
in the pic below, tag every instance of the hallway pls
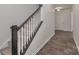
(61, 44)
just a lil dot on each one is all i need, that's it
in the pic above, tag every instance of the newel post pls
(14, 30)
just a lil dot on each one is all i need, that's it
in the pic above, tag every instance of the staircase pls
(6, 50)
(23, 35)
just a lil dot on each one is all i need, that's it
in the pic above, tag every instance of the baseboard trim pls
(75, 42)
(43, 45)
(5, 44)
(64, 30)
(76, 46)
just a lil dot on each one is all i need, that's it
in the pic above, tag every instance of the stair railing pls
(23, 35)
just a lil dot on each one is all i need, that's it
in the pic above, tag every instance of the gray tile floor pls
(61, 43)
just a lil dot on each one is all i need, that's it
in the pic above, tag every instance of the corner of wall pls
(38, 49)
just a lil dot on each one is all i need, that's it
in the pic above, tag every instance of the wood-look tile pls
(61, 43)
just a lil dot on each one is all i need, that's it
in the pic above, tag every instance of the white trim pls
(75, 42)
(38, 49)
(77, 46)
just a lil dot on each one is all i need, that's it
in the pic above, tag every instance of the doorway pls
(63, 19)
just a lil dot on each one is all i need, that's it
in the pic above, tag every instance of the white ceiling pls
(69, 6)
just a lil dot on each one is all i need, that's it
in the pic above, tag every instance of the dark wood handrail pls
(29, 17)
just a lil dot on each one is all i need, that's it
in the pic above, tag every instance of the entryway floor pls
(61, 43)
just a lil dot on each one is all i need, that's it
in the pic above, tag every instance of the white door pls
(63, 20)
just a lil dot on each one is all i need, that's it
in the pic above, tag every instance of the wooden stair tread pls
(6, 51)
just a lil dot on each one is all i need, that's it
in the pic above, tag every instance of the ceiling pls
(68, 6)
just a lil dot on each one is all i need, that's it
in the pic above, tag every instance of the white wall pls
(63, 20)
(76, 24)
(45, 32)
(13, 14)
